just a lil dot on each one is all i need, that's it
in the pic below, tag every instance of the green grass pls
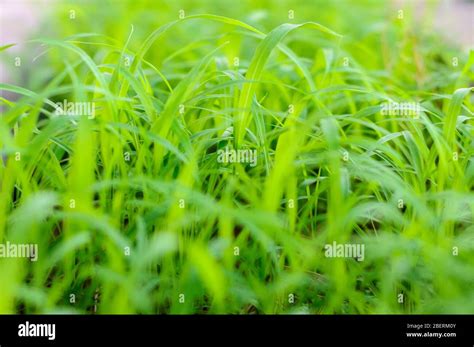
(131, 209)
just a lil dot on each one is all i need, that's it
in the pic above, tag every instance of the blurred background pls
(21, 20)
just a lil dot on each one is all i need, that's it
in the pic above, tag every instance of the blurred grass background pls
(132, 212)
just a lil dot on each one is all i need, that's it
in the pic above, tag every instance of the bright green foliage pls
(131, 209)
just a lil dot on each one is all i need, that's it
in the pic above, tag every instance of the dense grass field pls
(345, 122)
